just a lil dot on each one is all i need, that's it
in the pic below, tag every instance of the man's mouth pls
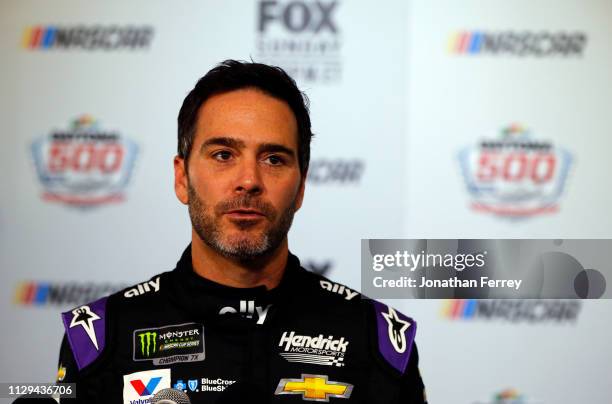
(245, 214)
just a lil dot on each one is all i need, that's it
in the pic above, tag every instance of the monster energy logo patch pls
(146, 340)
(170, 344)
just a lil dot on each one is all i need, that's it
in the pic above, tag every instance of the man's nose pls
(249, 178)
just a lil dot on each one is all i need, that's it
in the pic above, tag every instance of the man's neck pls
(264, 271)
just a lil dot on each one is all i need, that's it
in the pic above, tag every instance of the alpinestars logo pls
(397, 330)
(319, 350)
(84, 317)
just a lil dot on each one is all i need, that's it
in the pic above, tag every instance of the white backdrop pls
(392, 108)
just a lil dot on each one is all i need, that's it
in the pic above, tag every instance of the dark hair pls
(234, 75)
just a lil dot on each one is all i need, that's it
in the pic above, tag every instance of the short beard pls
(242, 247)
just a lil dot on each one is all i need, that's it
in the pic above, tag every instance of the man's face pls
(243, 184)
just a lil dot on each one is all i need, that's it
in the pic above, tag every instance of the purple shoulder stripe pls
(395, 335)
(85, 328)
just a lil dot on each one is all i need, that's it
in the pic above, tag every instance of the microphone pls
(170, 396)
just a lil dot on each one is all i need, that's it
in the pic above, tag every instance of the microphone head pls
(170, 396)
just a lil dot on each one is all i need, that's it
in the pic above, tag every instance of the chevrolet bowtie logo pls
(314, 388)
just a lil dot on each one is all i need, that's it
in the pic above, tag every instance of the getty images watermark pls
(486, 269)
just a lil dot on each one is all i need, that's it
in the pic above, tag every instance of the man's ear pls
(181, 180)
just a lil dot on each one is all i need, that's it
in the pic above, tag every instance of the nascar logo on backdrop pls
(89, 38)
(515, 176)
(44, 294)
(302, 37)
(532, 311)
(537, 44)
(84, 166)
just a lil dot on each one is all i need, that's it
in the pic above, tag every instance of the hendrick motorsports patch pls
(170, 344)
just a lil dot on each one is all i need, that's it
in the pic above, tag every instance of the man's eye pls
(222, 155)
(275, 160)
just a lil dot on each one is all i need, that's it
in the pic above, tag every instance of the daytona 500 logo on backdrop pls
(515, 175)
(84, 165)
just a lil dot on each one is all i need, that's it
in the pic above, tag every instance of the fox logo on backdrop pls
(302, 37)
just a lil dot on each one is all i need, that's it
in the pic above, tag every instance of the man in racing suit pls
(238, 319)
(203, 337)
